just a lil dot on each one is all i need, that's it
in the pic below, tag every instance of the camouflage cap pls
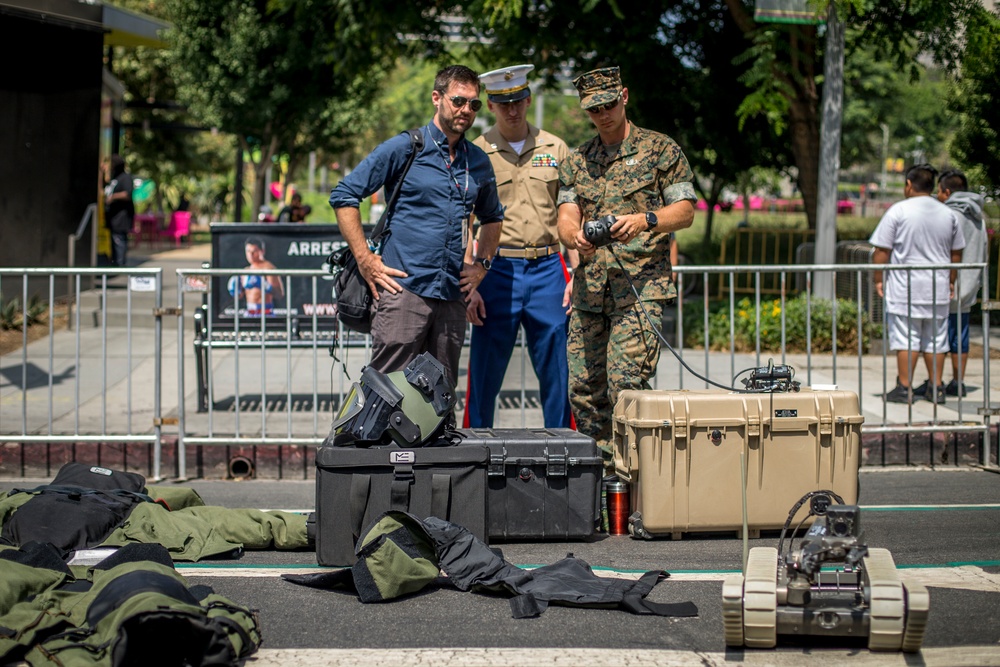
(598, 86)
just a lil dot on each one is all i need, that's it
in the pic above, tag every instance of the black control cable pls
(784, 373)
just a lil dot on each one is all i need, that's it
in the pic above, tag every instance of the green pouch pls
(396, 557)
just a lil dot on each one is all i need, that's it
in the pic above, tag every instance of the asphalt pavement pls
(941, 526)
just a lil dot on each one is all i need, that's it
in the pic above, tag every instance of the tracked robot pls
(831, 585)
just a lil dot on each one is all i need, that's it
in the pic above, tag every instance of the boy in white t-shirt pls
(917, 230)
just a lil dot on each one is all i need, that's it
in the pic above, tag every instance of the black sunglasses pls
(606, 107)
(459, 102)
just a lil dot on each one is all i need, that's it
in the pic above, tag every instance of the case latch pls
(555, 464)
(826, 415)
(826, 424)
(681, 413)
(495, 467)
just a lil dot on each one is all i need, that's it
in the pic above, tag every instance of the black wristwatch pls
(485, 261)
(651, 220)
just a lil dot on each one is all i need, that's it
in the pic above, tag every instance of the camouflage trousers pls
(609, 352)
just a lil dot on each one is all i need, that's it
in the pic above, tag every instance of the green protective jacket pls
(123, 610)
(191, 530)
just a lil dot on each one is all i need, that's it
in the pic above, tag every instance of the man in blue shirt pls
(420, 280)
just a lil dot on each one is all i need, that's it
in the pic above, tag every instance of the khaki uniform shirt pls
(528, 185)
(647, 172)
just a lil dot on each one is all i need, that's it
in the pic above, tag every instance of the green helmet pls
(409, 407)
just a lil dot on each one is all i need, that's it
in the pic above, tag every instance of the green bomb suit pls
(611, 345)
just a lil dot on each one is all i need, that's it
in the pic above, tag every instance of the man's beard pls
(457, 124)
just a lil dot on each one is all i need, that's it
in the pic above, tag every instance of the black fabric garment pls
(69, 517)
(80, 507)
(37, 554)
(121, 212)
(570, 582)
(471, 565)
(97, 477)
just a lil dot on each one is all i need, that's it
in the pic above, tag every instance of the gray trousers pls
(406, 325)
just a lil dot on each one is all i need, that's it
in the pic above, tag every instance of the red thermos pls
(616, 492)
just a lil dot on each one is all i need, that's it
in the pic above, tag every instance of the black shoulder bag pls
(351, 291)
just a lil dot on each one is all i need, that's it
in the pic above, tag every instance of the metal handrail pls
(88, 214)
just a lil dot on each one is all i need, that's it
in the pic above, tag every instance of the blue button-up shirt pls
(426, 224)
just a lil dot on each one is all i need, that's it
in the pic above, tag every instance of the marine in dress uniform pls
(526, 284)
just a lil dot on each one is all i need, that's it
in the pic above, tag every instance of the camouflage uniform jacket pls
(648, 172)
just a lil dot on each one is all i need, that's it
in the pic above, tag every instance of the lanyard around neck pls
(454, 178)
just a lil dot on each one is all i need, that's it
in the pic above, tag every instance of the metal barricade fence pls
(846, 283)
(94, 380)
(917, 418)
(272, 385)
(268, 367)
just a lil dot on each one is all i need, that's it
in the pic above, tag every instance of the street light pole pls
(885, 157)
(538, 102)
(825, 244)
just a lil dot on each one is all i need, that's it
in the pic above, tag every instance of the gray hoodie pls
(970, 207)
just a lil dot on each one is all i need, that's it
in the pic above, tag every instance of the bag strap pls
(417, 144)
(440, 495)
(360, 489)
(399, 490)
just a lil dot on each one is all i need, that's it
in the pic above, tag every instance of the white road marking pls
(946, 506)
(915, 508)
(964, 577)
(964, 656)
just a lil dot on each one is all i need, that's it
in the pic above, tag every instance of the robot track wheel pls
(886, 604)
(918, 605)
(760, 598)
(732, 609)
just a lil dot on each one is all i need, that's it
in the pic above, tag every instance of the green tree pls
(785, 84)
(780, 66)
(288, 75)
(974, 98)
(876, 92)
(161, 140)
(677, 58)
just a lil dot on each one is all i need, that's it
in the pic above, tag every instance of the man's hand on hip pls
(377, 274)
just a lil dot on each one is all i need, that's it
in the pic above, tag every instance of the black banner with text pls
(273, 247)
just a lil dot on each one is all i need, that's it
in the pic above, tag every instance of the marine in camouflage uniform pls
(643, 179)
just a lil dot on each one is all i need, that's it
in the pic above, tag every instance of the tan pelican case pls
(685, 455)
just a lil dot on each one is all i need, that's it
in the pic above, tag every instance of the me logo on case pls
(405, 456)
(786, 413)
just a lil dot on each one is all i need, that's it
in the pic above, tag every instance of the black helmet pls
(409, 407)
